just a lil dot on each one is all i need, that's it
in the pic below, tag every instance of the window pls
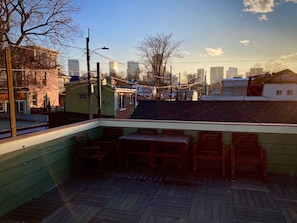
(131, 99)
(3, 79)
(34, 99)
(122, 101)
(289, 92)
(278, 92)
(20, 106)
(33, 77)
(83, 96)
(44, 78)
(2, 106)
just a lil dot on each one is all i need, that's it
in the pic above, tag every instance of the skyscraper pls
(201, 75)
(113, 68)
(73, 67)
(216, 74)
(132, 70)
(231, 72)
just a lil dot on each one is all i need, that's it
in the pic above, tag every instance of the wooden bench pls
(246, 150)
(209, 147)
(89, 155)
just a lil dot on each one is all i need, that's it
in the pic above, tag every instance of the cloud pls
(281, 63)
(294, 1)
(214, 51)
(288, 58)
(186, 53)
(258, 6)
(245, 42)
(263, 18)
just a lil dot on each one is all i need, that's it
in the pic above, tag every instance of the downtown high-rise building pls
(73, 67)
(216, 74)
(232, 72)
(113, 68)
(256, 71)
(132, 69)
(201, 75)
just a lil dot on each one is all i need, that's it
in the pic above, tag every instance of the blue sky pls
(229, 33)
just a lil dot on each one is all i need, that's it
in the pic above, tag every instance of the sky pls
(228, 33)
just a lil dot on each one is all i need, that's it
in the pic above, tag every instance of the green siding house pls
(116, 102)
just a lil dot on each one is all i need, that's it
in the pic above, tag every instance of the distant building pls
(280, 86)
(113, 68)
(256, 71)
(232, 72)
(73, 67)
(235, 86)
(201, 75)
(216, 74)
(132, 70)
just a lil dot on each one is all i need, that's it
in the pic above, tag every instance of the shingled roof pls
(219, 111)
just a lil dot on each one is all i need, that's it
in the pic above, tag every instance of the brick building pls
(35, 79)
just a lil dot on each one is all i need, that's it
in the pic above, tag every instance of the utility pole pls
(89, 78)
(99, 89)
(10, 93)
(171, 96)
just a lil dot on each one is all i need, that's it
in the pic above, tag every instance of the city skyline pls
(218, 33)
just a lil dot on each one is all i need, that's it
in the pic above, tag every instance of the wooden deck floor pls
(135, 196)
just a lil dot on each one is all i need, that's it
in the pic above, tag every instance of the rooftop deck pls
(136, 196)
(34, 163)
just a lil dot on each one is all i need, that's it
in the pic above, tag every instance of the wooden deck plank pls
(115, 215)
(121, 197)
(151, 217)
(173, 190)
(215, 216)
(208, 211)
(227, 214)
(213, 194)
(247, 214)
(33, 211)
(70, 213)
(169, 206)
(290, 215)
(93, 197)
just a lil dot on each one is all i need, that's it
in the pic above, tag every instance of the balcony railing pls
(33, 163)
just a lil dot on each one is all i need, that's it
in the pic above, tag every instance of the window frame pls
(122, 102)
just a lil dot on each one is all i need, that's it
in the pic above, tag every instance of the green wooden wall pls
(281, 152)
(27, 173)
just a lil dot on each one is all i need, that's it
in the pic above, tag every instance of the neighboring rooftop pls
(219, 111)
(24, 124)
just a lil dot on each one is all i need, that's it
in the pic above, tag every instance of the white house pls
(282, 85)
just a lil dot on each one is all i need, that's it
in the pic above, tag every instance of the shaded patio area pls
(137, 196)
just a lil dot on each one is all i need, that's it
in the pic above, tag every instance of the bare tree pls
(274, 66)
(156, 52)
(25, 22)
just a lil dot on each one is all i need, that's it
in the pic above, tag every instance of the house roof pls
(219, 111)
(284, 76)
